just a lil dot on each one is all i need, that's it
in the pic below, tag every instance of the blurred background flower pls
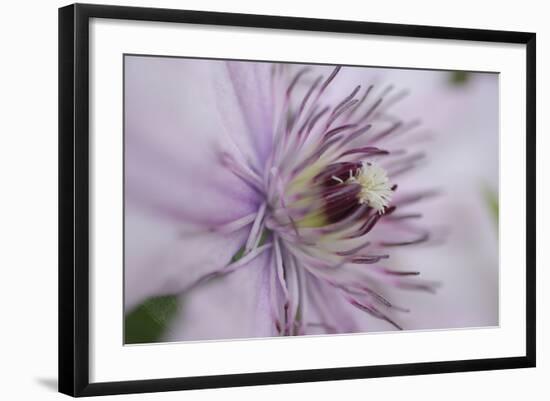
(182, 114)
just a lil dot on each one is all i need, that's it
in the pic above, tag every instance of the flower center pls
(375, 186)
(339, 191)
(349, 185)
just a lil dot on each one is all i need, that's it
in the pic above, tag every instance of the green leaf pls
(491, 200)
(148, 322)
(459, 78)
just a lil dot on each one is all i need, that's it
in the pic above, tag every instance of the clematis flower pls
(269, 197)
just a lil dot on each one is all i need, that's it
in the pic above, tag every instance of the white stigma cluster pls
(375, 186)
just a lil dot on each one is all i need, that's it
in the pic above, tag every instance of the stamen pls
(274, 304)
(341, 201)
(399, 273)
(245, 259)
(386, 132)
(371, 110)
(347, 99)
(280, 269)
(422, 238)
(371, 293)
(330, 78)
(337, 130)
(235, 224)
(413, 198)
(354, 250)
(356, 134)
(334, 116)
(375, 187)
(395, 99)
(368, 259)
(296, 79)
(429, 287)
(308, 95)
(346, 222)
(293, 285)
(373, 311)
(358, 105)
(282, 283)
(366, 227)
(296, 118)
(230, 268)
(398, 217)
(316, 118)
(301, 281)
(366, 151)
(405, 165)
(241, 171)
(256, 232)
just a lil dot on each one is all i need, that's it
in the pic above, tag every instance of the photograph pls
(269, 198)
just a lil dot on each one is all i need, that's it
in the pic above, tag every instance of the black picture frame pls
(74, 193)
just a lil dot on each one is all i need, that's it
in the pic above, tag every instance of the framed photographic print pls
(249, 199)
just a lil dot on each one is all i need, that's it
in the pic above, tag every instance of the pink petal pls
(165, 258)
(328, 312)
(247, 87)
(233, 306)
(174, 137)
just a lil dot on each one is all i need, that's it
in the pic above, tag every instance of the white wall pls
(28, 218)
